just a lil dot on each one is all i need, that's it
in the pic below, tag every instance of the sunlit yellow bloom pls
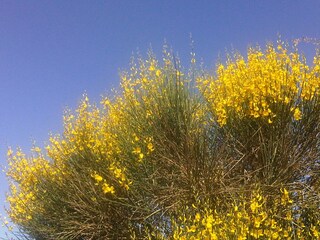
(137, 150)
(107, 188)
(197, 217)
(191, 229)
(297, 115)
(97, 177)
(9, 152)
(315, 231)
(150, 147)
(208, 221)
(152, 68)
(275, 235)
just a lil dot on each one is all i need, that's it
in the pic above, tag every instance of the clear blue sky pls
(51, 52)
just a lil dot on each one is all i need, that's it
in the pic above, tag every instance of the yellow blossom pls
(107, 188)
(150, 147)
(9, 152)
(137, 150)
(297, 115)
(97, 177)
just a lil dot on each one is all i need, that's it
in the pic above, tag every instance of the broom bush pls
(182, 154)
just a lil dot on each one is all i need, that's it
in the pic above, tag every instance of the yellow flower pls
(191, 229)
(36, 149)
(285, 197)
(275, 235)
(10, 152)
(117, 172)
(207, 222)
(137, 150)
(107, 188)
(265, 113)
(197, 217)
(97, 177)
(254, 206)
(257, 221)
(256, 114)
(150, 147)
(152, 68)
(257, 233)
(241, 238)
(297, 115)
(315, 231)
(179, 73)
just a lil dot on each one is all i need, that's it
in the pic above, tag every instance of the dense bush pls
(182, 154)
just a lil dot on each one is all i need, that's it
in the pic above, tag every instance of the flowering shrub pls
(252, 218)
(179, 154)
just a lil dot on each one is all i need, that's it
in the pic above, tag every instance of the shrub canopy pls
(182, 154)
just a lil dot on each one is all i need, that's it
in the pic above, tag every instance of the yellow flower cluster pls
(26, 172)
(86, 133)
(262, 85)
(106, 188)
(90, 132)
(158, 123)
(146, 149)
(247, 219)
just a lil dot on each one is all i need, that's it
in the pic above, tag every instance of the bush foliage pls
(182, 154)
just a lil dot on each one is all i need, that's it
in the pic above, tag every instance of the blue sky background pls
(51, 52)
